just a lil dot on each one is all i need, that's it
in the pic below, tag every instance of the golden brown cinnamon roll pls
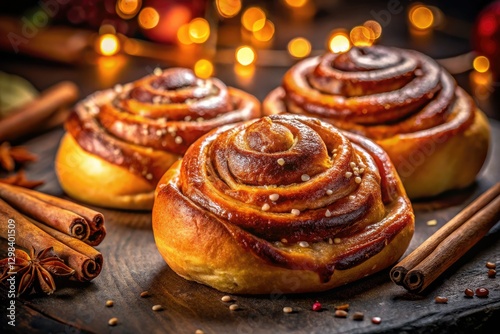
(435, 135)
(120, 141)
(281, 204)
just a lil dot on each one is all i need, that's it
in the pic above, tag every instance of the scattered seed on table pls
(226, 298)
(317, 306)
(109, 303)
(482, 292)
(492, 273)
(432, 222)
(157, 308)
(113, 321)
(441, 300)
(199, 331)
(491, 265)
(144, 294)
(234, 307)
(344, 307)
(287, 309)
(469, 293)
(358, 316)
(341, 314)
(376, 320)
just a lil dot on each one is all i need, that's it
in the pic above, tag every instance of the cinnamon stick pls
(59, 218)
(27, 119)
(86, 261)
(94, 219)
(399, 271)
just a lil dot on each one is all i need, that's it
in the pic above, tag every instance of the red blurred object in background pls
(486, 37)
(172, 14)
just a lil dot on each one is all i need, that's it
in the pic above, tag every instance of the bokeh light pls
(296, 3)
(204, 68)
(421, 17)
(245, 55)
(253, 19)
(481, 64)
(183, 34)
(199, 30)
(299, 47)
(339, 42)
(375, 27)
(108, 44)
(266, 33)
(148, 18)
(362, 36)
(128, 8)
(228, 8)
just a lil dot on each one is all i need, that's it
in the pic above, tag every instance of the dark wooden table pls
(133, 264)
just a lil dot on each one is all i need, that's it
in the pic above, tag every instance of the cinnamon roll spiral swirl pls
(280, 200)
(120, 141)
(431, 129)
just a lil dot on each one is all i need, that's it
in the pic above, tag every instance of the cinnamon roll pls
(282, 204)
(434, 133)
(120, 141)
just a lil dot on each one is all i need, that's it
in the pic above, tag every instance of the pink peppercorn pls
(316, 306)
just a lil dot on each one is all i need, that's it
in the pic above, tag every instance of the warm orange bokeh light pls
(253, 19)
(108, 44)
(199, 30)
(296, 3)
(339, 42)
(128, 7)
(362, 36)
(204, 68)
(183, 34)
(148, 18)
(299, 47)
(266, 33)
(245, 55)
(421, 17)
(481, 64)
(228, 8)
(375, 27)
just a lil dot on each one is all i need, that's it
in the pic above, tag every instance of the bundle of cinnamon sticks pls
(43, 221)
(428, 261)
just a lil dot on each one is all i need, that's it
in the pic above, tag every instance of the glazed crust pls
(433, 132)
(121, 141)
(212, 234)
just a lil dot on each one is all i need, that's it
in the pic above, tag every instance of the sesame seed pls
(334, 150)
(187, 118)
(330, 241)
(118, 88)
(432, 222)
(156, 99)
(178, 140)
(200, 119)
(281, 161)
(348, 174)
(337, 241)
(329, 192)
(328, 213)
(352, 164)
(157, 71)
(199, 331)
(304, 244)
(361, 170)
(287, 309)
(274, 197)
(109, 303)
(157, 308)
(362, 165)
(113, 321)
(149, 176)
(357, 179)
(234, 307)
(305, 177)
(265, 207)
(334, 155)
(144, 294)
(226, 298)
(295, 212)
(352, 197)
(284, 241)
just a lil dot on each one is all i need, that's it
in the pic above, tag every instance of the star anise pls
(9, 156)
(19, 179)
(35, 270)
